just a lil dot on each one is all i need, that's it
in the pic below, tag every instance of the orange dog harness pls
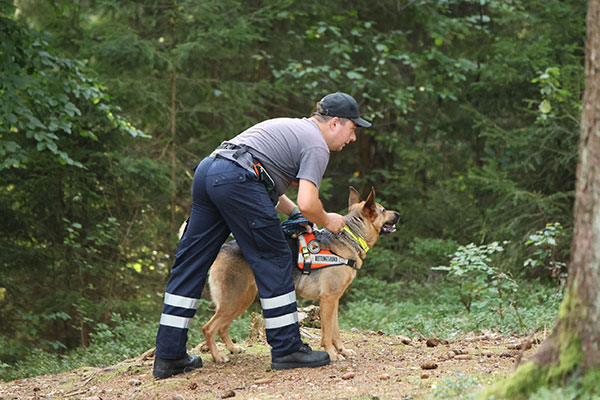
(311, 256)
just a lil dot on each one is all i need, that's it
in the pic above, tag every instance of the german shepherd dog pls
(233, 288)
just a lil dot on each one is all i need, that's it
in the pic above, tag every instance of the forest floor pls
(384, 367)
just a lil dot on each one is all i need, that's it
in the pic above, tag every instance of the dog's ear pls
(354, 197)
(370, 208)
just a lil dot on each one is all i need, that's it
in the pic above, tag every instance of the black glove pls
(292, 226)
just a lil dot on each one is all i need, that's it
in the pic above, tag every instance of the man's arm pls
(311, 207)
(285, 205)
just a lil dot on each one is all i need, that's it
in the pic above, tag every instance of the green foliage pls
(477, 279)
(68, 234)
(436, 309)
(460, 386)
(41, 99)
(545, 242)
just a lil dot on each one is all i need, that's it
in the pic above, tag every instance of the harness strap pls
(362, 242)
(323, 259)
(330, 260)
(304, 255)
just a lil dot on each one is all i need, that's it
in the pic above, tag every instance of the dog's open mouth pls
(388, 228)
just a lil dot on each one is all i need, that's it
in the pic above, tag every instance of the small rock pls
(135, 382)
(432, 342)
(263, 381)
(348, 375)
(405, 339)
(228, 394)
(447, 356)
(384, 377)
(460, 351)
(462, 357)
(354, 330)
(429, 365)
(424, 376)
(177, 397)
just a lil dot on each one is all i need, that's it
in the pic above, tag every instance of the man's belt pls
(242, 157)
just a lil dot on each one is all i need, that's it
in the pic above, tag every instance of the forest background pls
(106, 106)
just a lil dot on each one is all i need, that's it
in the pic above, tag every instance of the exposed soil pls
(385, 367)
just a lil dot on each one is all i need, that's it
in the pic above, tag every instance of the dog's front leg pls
(328, 325)
(337, 339)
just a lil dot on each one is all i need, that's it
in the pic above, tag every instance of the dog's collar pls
(362, 242)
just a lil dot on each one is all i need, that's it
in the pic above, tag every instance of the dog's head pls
(376, 219)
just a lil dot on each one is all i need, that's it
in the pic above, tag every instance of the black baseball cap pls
(341, 105)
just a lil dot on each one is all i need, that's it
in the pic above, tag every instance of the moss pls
(531, 376)
(570, 307)
(590, 382)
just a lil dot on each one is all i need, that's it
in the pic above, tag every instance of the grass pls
(370, 304)
(436, 310)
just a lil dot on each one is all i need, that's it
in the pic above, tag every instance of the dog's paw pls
(236, 350)
(335, 356)
(347, 352)
(220, 358)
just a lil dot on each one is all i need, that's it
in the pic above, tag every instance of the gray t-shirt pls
(289, 148)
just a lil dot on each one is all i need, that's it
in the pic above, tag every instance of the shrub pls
(471, 268)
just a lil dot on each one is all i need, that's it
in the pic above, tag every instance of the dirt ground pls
(385, 367)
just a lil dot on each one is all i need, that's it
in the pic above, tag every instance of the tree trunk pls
(173, 128)
(573, 348)
(173, 155)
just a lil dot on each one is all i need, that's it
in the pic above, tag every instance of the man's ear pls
(370, 208)
(354, 197)
(333, 122)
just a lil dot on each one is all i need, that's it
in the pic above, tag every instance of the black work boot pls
(165, 368)
(305, 357)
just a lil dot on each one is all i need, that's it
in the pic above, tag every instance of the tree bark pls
(173, 155)
(573, 348)
(173, 130)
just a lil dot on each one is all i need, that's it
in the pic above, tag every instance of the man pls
(234, 191)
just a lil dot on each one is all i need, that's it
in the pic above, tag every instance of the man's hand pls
(334, 223)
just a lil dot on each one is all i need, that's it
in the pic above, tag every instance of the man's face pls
(343, 132)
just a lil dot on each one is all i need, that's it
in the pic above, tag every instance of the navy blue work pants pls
(228, 199)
